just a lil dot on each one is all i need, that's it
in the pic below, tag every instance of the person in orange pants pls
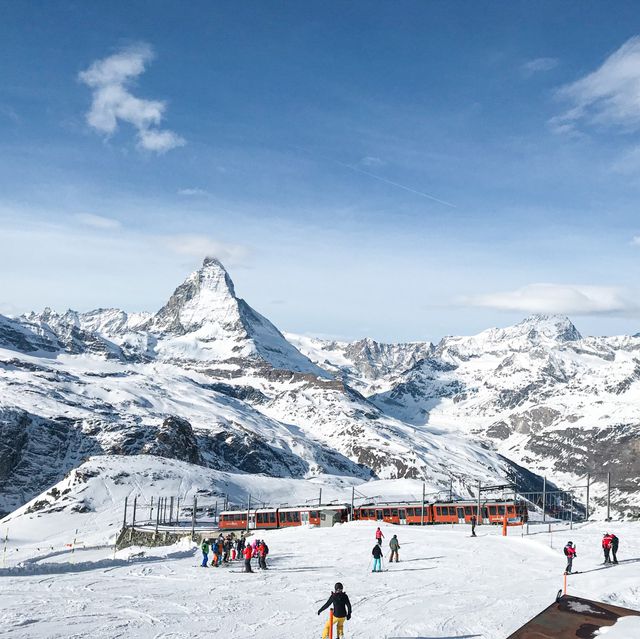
(341, 610)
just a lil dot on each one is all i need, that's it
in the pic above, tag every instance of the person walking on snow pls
(570, 553)
(395, 546)
(379, 536)
(474, 521)
(341, 610)
(606, 547)
(377, 558)
(247, 552)
(205, 554)
(614, 547)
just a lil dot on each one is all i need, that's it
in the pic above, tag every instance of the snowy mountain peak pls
(207, 295)
(557, 327)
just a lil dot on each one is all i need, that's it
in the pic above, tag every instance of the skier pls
(379, 536)
(377, 558)
(263, 551)
(395, 546)
(606, 547)
(205, 553)
(614, 547)
(473, 525)
(570, 553)
(341, 610)
(247, 552)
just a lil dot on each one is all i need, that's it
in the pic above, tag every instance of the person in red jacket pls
(247, 552)
(606, 547)
(379, 536)
(570, 553)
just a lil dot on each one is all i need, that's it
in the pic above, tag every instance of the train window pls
(510, 509)
(240, 517)
(272, 518)
(386, 513)
(296, 516)
(314, 514)
(438, 510)
(501, 510)
(259, 518)
(372, 514)
(409, 512)
(394, 512)
(492, 510)
(467, 510)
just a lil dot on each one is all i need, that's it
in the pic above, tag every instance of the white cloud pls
(608, 96)
(636, 240)
(97, 221)
(201, 246)
(110, 80)
(557, 299)
(539, 64)
(192, 192)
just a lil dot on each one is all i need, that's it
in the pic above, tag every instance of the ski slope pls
(447, 585)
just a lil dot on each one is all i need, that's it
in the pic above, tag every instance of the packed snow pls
(446, 584)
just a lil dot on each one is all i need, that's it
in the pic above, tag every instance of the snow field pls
(447, 584)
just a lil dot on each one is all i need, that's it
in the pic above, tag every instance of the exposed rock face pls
(175, 439)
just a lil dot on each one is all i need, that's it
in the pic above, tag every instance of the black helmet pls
(338, 587)
(569, 543)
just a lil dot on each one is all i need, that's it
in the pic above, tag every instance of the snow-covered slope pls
(446, 584)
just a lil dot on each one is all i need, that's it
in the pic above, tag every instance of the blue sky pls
(403, 170)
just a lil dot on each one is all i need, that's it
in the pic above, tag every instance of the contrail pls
(377, 177)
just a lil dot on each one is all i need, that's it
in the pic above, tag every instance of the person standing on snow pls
(614, 547)
(606, 547)
(474, 521)
(377, 558)
(379, 536)
(341, 611)
(205, 554)
(263, 551)
(247, 552)
(395, 546)
(570, 553)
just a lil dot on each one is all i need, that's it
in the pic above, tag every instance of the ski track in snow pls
(445, 585)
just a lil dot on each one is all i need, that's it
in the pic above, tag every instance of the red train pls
(454, 512)
(264, 518)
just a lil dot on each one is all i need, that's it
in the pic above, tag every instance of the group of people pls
(232, 548)
(394, 547)
(609, 546)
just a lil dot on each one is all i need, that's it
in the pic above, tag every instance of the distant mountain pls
(208, 381)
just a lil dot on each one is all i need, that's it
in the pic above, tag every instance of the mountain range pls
(210, 382)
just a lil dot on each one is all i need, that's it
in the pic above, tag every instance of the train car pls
(492, 512)
(395, 513)
(271, 518)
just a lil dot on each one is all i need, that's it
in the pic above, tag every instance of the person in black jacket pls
(377, 558)
(341, 610)
(614, 547)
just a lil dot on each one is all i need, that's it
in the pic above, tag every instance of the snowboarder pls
(570, 553)
(205, 553)
(614, 547)
(395, 546)
(247, 552)
(379, 536)
(474, 521)
(341, 610)
(606, 547)
(377, 558)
